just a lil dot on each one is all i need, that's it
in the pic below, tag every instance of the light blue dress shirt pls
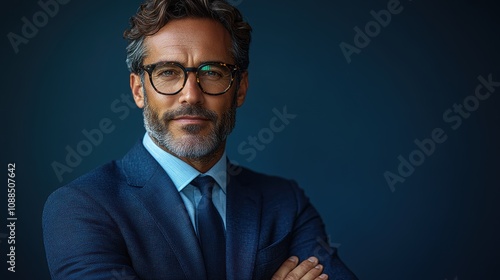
(182, 174)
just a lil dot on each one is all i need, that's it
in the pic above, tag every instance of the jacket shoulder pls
(106, 176)
(270, 186)
(102, 182)
(253, 177)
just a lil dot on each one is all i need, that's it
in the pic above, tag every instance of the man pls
(174, 207)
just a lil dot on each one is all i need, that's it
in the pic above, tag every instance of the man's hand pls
(306, 270)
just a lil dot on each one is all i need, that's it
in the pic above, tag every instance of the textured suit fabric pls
(126, 220)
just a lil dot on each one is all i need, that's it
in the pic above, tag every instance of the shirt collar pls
(179, 171)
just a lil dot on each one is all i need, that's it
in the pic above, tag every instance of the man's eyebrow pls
(167, 61)
(213, 61)
(183, 64)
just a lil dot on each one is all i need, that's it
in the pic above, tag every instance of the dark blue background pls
(353, 121)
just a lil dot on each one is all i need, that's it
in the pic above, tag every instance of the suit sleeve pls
(310, 239)
(81, 239)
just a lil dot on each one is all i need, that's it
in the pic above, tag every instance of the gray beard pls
(191, 145)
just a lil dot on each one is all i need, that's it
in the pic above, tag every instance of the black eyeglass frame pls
(234, 70)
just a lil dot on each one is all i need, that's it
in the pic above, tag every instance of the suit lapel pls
(243, 226)
(152, 186)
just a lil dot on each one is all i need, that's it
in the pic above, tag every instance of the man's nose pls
(191, 93)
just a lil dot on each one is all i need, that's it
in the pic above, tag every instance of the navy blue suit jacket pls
(126, 220)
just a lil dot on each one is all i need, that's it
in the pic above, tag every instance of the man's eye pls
(167, 73)
(213, 74)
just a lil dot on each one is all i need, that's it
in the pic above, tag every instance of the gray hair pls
(154, 14)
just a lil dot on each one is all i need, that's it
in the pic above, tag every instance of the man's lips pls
(191, 119)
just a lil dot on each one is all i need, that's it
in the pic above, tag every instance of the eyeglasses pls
(213, 78)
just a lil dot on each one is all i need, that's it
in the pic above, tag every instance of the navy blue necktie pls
(211, 232)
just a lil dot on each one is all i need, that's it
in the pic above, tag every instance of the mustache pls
(195, 111)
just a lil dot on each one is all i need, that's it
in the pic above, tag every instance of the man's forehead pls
(190, 38)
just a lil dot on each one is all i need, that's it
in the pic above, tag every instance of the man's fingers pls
(309, 269)
(306, 270)
(285, 268)
(315, 274)
(322, 277)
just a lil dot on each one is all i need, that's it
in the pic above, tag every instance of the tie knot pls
(205, 184)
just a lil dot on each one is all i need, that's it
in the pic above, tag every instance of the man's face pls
(190, 124)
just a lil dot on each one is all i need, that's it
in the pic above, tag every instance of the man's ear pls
(137, 90)
(242, 90)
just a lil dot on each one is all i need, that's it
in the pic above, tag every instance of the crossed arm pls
(73, 239)
(308, 269)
